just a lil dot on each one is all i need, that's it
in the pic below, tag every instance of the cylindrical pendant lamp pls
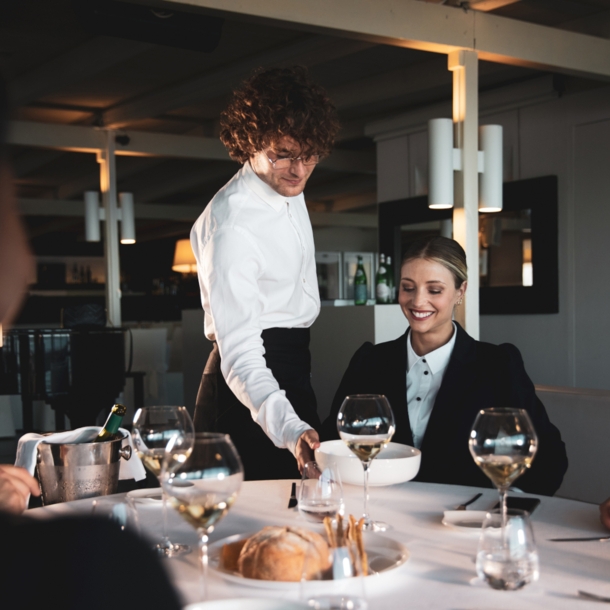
(92, 216)
(490, 180)
(440, 164)
(128, 225)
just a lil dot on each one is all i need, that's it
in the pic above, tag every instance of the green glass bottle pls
(391, 280)
(360, 284)
(110, 431)
(382, 288)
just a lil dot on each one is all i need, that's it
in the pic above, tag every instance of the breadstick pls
(340, 535)
(352, 528)
(328, 526)
(360, 546)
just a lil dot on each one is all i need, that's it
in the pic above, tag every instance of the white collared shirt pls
(424, 378)
(256, 266)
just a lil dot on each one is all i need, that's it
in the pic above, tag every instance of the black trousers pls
(218, 409)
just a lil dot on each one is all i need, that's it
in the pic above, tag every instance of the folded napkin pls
(28, 444)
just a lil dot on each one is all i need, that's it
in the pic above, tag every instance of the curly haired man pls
(256, 264)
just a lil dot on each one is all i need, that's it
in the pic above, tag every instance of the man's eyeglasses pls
(286, 162)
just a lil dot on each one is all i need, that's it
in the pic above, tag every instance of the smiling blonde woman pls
(437, 377)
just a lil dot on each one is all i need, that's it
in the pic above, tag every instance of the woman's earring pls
(460, 301)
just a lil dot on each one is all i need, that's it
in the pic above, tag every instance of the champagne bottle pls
(391, 282)
(382, 288)
(360, 284)
(110, 431)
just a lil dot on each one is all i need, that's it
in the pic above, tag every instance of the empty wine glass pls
(153, 429)
(366, 423)
(507, 558)
(503, 444)
(320, 493)
(204, 485)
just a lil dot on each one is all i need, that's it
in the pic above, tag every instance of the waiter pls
(256, 265)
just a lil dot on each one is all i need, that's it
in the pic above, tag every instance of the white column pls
(106, 159)
(464, 65)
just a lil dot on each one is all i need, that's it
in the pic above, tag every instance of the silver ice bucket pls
(73, 471)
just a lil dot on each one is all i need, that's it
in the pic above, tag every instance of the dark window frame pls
(536, 194)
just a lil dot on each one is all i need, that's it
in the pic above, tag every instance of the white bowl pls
(395, 463)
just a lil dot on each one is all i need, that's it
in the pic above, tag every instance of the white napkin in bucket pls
(28, 445)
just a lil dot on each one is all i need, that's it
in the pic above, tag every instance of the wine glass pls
(503, 444)
(507, 558)
(153, 428)
(320, 493)
(204, 486)
(366, 424)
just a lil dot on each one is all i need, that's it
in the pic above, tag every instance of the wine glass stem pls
(164, 511)
(203, 546)
(503, 493)
(366, 466)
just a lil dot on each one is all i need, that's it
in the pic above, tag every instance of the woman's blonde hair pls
(441, 250)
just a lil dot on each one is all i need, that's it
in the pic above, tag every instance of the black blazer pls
(479, 375)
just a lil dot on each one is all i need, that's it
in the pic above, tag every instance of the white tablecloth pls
(440, 571)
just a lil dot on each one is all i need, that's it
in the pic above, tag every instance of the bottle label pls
(382, 292)
(360, 293)
(113, 423)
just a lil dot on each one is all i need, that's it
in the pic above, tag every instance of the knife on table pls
(590, 539)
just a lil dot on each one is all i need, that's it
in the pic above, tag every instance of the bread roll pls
(279, 553)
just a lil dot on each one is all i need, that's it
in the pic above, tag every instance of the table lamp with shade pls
(184, 259)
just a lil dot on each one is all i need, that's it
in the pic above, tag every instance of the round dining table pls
(440, 570)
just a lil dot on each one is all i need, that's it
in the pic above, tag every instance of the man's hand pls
(16, 484)
(308, 441)
(604, 513)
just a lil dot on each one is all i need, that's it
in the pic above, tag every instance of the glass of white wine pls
(366, 424)
(153, 429)
(503, 443)
(204, 486)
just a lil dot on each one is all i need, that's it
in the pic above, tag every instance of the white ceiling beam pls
(56, 136)
(153, 144)
(84, 61)
(309, 51)
(178, 213)
(57, 207)
(90, 140)
(431, 27)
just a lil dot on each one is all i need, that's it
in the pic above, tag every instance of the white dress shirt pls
(424, 378)
(256, 266)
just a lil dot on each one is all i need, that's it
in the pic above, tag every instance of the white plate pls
(384, 554)
(153, 493)
(465, 520)
(251, 603)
